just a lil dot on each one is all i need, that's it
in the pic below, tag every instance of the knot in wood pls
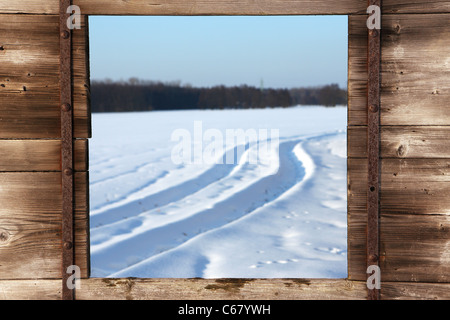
(4, 236)
(401, 151)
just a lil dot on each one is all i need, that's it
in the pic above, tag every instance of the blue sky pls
(281, 51)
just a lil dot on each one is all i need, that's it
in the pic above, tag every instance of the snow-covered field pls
(285, 216)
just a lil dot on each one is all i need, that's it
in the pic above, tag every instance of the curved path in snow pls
(222, 194)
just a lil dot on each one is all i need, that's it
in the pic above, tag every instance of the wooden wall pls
(415, 153)
(30, 147)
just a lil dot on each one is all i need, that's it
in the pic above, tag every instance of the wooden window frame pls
(222, 288)
(226, 288)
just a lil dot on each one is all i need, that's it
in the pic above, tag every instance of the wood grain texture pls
(415, 86)
(30, 224)
(357, 70)
(415, 70)
(192, 7)
(415, 291)
(416, 6)
(420, 142)
(220, 289)
(415, 248)
(30, 289)
(356, 218)
(415, 211)
(408, 186)
(29, 78)
(39, 155)
(223, 7)
(186, 289)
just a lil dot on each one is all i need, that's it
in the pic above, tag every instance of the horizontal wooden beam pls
(420, 142)
(415, 291)
(192, 7)
(408, 186)
(225, 7)
(39, 155)
(211, 289)
(415, 6)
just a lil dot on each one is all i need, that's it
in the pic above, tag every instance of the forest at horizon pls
(144, 95)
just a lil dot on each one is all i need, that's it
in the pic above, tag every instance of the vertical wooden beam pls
(373, 151)
(66, 148)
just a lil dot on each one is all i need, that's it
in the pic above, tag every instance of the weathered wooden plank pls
(30, 289)
(116, 289)
(357, 70)
(356, 218)
(415, 186)
(415, 70)
(415, 291)
(192, 7)
(29, 78)
(414, 192)
(39, 155)
(220, 289)
(415, 248)
(408, 186)
(30, 224)
(223, 7)
(416, 6)
(415, 67)
(402, 142)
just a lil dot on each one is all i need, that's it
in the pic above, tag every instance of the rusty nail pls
(373, 258)
(374, 32)
(373, 108)
(65, 34)
(68, 172)
(68, 245)
(66, 107)
(372, 189)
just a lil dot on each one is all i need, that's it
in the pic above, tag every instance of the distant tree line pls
(138, 95)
